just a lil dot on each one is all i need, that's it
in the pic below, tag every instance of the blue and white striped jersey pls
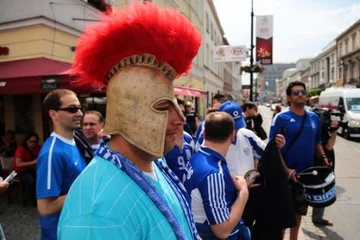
(211, 187)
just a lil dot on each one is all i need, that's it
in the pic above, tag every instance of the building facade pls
(38, 43)
(324, 68)
(348, 56)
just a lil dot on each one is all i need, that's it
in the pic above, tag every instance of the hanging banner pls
(230, 53)
(264, 39)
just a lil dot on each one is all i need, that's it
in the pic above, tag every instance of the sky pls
(302, 28)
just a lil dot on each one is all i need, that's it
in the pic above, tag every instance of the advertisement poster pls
(230, 53)
(264, 39)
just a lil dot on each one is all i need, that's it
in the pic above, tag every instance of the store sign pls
(50, 83)
(230, 53)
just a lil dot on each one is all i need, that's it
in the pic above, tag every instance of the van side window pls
(341, 105)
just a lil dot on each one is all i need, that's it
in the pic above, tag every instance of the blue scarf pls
(141, 180)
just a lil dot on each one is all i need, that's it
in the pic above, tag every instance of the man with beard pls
(302, 133)
(59, 161)
(127, 191)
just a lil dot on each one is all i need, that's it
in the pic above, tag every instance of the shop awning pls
(37, 75)
(186, 91)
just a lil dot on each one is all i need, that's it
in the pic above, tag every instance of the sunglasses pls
(297, 92)
(72, 109)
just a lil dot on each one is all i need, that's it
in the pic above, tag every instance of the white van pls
(347, 101)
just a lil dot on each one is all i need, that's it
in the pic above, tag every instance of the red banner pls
(264, 40)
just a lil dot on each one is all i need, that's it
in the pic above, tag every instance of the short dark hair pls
(247, 105)
(52, 100)
(96, 113)
(219, 97)
(293, 84)
(218, 127)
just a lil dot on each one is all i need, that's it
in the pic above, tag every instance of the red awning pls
(33, 67)
(185, 91)
(37, 75)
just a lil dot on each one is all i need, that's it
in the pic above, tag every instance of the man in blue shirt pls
(59, 161)
(298, 155)
(177, 159)
(218, 199)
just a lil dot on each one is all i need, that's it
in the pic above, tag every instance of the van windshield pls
(353, 104)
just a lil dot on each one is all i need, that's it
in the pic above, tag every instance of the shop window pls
(23, 113)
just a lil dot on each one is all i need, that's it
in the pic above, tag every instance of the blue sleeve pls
(212, 190)
(50, 175)
(275, 126)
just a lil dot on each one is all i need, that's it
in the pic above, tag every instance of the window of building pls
(346, 46)
(23, 113)
(212, 31)
(207, 22)
(207, 55)
(354, 42)
(340, 50)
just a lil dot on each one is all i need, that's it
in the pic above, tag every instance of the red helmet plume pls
(136, 30)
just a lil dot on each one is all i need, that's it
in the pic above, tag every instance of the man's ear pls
(52, 114)
(233, 135)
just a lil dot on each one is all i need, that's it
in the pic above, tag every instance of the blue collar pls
(143, 182)
(208, 151)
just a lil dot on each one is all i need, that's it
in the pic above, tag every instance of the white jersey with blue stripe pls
(246, 148)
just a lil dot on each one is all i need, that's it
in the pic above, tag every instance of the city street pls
(22, 223)
(345, 212)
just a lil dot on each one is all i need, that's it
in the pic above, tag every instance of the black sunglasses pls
(72, 109)
(297, 92)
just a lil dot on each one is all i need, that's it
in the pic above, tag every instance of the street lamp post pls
(251, 53)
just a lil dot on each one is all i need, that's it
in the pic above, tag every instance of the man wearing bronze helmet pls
(127, 191)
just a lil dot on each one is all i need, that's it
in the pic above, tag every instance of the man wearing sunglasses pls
(302, 132)
(59, 161)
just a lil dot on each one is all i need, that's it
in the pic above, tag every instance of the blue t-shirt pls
(105, 203)
(178, 159)
(301, 154)
(211, 188)
(58, 165)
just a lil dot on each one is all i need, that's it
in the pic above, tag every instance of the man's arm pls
(51, 205)
(331, 142)
(49, 179)
(224, 227)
